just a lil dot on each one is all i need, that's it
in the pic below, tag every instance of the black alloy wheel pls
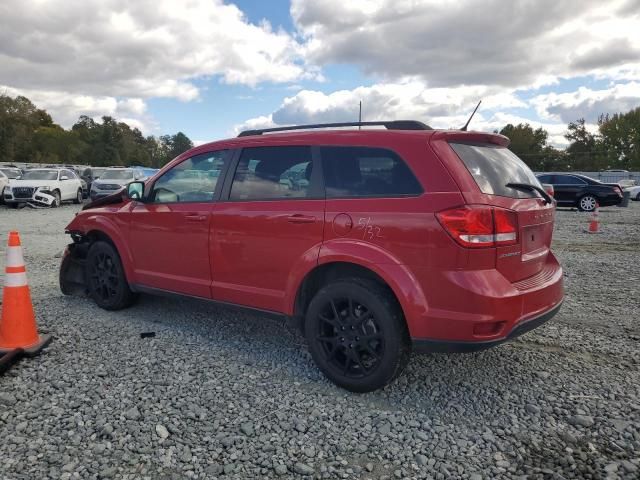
(105, 278)
(357, 335)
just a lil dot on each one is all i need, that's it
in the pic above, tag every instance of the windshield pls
(117, 175)
(492, 167)
(10, 172)
(40, 175)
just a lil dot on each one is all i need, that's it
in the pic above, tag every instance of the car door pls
(68, 187)
(270, 224)
(568, 188)
(169, 230)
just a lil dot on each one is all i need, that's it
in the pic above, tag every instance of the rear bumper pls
(481, 307)
(425, 345)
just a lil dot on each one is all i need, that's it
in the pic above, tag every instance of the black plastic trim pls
(426, 345)
(166, 293)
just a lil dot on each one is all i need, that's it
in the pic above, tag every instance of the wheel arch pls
(101, 228)
(395, 277)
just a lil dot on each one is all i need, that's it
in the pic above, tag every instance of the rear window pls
(492, 167)
(366, 172)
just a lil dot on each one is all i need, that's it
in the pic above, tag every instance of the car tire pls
(106, 282)
(78, 199)
(357, 335)
(57, 200)
(587, 203)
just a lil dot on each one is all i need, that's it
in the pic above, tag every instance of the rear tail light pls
(619, 191)
(480, 226)
(549, 189)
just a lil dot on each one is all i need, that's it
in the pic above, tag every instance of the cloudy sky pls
(212, 67)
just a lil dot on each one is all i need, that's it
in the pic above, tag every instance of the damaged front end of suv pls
(73, 277)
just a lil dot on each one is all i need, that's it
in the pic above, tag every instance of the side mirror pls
(64, 177)
(135, 190)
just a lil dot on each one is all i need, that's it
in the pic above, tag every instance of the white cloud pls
(471, 42)
(387, 101)
(587, 103)
(442, 108)
(254, 124)
(146, 48)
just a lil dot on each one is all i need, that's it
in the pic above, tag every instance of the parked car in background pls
(11, 172)
(4, 181)
(582, 192)
(376, 242)
(85, 186)
(90, 174)
(634, 192)
(626, 182)
(44, 186)
(114, 179)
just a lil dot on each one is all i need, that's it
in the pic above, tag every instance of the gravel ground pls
(219, 393)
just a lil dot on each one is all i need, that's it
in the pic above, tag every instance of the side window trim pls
(232, 165)
(217, 192)
(316, 190)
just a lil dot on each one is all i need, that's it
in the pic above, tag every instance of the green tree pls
(28, 134)
(19, 120)
(529, 144)
(584, 152)
(620, 139)
(180, 143)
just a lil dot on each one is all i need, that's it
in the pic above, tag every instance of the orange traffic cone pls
(594, 224)
(17, 323)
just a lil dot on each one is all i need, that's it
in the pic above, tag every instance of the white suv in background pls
(45, 187)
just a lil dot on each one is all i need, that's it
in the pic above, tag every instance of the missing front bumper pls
(72, 275)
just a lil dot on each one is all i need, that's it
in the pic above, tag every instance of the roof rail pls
(389, 125)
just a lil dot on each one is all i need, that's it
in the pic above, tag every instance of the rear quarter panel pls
(395, 236)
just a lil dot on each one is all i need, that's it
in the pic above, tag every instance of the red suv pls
(378, 242)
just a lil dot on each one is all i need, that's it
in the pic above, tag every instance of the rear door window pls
(492, 167)
(366, 172)
(268, 173)
(568, 180)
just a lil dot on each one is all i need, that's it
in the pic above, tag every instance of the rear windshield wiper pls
(531, 188)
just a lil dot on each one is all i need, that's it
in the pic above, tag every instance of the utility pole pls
(360, 116)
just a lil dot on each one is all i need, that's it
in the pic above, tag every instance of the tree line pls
(616, 145)
(28, 134)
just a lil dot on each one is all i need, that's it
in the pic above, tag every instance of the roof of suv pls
(327, 133)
